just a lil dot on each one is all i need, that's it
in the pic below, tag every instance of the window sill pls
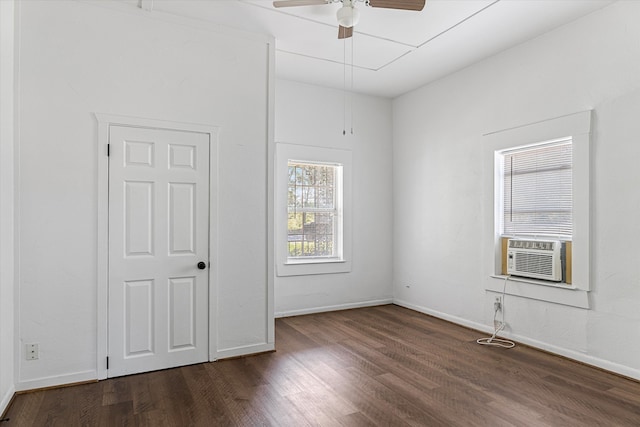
(559, 285)
(540, 290)
(301, 261)
(306, 267)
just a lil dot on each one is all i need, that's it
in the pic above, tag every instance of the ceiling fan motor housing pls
(348, 16)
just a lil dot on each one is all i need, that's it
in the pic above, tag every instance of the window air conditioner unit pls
(538, 259)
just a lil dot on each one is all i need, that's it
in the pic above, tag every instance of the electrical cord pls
(493, 341)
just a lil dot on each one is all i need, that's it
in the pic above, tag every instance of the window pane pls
(325, 197)
(311, 210)
(292, 174)
(308, 197)
(311, 234)
(309, 175)
(538, 190)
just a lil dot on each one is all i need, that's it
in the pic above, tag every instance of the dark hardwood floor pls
(384, 366)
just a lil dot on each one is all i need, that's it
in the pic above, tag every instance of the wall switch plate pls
(32, 351)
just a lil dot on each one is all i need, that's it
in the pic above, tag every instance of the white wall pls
(77, 58)
(591, 63)
(6, 202)
(312, 115)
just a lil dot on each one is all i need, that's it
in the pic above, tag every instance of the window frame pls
(337, 211)
(577, 127)
(285, 265)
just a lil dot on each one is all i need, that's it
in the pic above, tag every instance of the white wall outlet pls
(497, 304)
(32, 352)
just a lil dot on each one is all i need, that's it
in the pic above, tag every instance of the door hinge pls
(108, 150)
(107, 362)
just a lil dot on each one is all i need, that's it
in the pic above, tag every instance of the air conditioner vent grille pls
(534, 263)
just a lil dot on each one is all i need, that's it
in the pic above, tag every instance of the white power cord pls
(493, 341)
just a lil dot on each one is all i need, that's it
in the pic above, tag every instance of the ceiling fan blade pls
(345, 32)
(290, 3)
(398, 4)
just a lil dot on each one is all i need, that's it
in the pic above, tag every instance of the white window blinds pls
(537, 190)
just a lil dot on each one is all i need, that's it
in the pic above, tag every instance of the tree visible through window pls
(313, 210)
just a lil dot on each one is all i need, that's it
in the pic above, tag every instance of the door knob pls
(202, 265)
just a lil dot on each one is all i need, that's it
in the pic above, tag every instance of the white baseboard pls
(57, 380)
(6, 399)
(577, 356)
(453, 319)
(564, 352)
(242, 351)
(371, 303)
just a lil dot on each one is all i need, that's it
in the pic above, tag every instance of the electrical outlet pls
(32, 351)
(497, 305)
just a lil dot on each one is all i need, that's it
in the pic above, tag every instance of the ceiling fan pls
(348, 15)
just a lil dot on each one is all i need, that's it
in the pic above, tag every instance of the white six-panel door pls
(158, 234)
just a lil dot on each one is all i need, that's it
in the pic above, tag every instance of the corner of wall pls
(7, 184)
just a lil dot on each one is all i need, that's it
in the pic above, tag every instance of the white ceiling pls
(393, 51)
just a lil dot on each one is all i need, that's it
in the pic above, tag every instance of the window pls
(313, 210)
(314, 216)
(537, 190)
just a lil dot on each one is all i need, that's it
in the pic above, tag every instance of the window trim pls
(286, 266)
(578, 127)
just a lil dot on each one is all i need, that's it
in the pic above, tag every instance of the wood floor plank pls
(376, 366)
(115, 414)
(209, 403)
(27, 406)
(55, 409)
(87, 399)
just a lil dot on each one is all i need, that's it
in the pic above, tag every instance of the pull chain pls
(351, 94)
(344, 87)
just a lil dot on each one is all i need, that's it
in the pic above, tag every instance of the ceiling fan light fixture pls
(348, 16)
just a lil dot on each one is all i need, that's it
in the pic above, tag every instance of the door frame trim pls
(105, 121)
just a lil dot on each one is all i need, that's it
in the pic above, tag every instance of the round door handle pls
(202, 265)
